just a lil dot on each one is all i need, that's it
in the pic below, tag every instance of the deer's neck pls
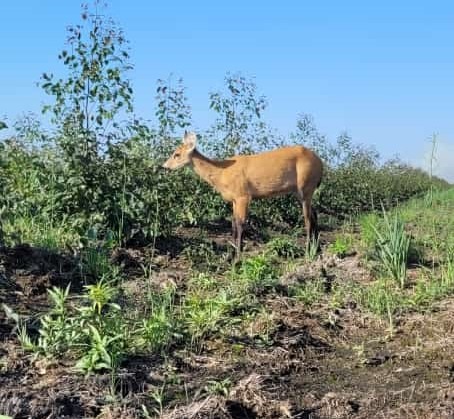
(209, 170)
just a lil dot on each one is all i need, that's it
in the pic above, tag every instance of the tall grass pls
(392, 247)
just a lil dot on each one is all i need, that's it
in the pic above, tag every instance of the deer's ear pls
(190, 139)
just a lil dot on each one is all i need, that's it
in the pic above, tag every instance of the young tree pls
(238, 127)
(307, 134)
(89, 100)
(173, 112)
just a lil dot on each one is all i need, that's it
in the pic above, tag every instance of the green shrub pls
(257, 274)
(284, 246)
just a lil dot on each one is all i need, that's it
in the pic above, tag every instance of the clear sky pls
(382, 70)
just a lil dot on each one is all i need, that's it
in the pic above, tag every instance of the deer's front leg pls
(241, 207)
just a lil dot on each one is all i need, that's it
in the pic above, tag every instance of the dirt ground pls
(314, 365)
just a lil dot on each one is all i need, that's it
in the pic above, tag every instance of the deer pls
(242, 178)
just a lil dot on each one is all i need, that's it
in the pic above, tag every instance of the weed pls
(160, 327)
(158, 396)
(100, 294)
(146, 414)
(202, 255)
(25, 341)
(56, 333)
(360, 352)
(342, 246)
(284, 246)
(312, 246)
(204, 314)
(258, 274)
(340, 295)
(95, 262)
(218, 387)
(392, 247)
(368, 224)
(40, 232)
(102, 353)
(259, 324)
(308, 292)
(203, 281)
(381, 298)
(433, 286)
(95, 333)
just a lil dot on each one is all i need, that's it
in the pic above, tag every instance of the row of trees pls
(100, 165)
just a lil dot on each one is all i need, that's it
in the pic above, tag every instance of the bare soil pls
(317, 363)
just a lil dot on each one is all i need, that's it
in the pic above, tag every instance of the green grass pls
(40, 233)
(257, 274)
(432, 225)
(432, 230)
(159, 328)
(309, 292)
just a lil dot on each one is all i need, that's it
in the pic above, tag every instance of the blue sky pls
(383, 71)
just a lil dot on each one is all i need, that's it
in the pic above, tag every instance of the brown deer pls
(239, 179)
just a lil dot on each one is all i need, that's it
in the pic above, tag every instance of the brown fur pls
(240, 179)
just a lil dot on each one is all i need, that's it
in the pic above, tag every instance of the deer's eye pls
(177, 155)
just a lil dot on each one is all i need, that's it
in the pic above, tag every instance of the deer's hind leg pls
(234, 229)
(310, 215)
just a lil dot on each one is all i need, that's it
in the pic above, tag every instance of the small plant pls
(309, 292)
(259, 325)
(392, 247)
(158, 397)
(342, 246)
(100, 295)
(102, 353)
(284, 246)
(94, 332)
(159, 329)
(94, 257)
(204, 314)
(258, 273)
(25, 340)
(433, 286)
(221, 387)
(360, 352)
(312, 246)
(57, 333)
(201, 255)
(203, 281)
(39, 232)
(381, 298)
(447, 273)
(429, 198)
(341, 294)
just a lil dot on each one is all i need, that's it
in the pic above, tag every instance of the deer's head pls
(183, 153)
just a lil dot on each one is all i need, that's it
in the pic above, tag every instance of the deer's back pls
(273, 172)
